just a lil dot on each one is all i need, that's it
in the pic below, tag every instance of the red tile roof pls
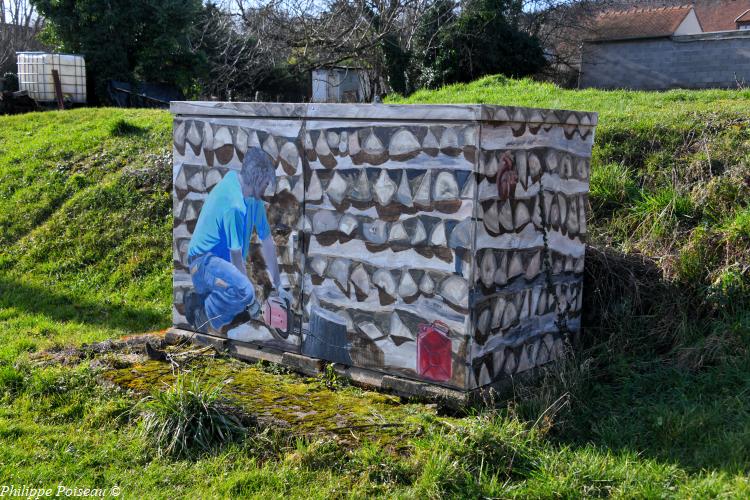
(744, 17)
(720, 15)
(713, 15)
(639, 23)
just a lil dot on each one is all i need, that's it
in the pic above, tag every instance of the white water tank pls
(35, 75)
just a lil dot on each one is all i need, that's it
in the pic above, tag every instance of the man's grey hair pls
(257, 167)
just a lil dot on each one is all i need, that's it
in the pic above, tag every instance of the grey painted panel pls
(379, 112)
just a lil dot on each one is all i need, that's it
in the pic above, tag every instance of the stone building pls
(659, 47)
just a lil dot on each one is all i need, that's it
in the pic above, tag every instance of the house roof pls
(744, 17)
(639, 23)
(714, 15)
(720, 15)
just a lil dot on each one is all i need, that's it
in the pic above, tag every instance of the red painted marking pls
(507, 177)
(274, 314)
(434, 360)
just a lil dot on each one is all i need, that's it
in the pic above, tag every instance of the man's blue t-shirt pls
(227, 220)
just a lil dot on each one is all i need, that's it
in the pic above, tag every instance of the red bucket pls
(434, 360)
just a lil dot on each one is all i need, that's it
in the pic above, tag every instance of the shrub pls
(188, 418)
(11, 82)
(483, 39)
(136, 40)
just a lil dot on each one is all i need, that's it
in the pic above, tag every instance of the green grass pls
(84, 216)
(190, 418)
(636, 110)
(653, 403)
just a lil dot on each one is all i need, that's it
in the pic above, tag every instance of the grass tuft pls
(12, 380)
(188, 419)
(737, 229)
(612, 187)
(469, 458)
(659, 214)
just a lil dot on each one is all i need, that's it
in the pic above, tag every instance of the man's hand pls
(255, 310)
(268, 249)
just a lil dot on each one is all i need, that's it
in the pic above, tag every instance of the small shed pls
(339, 84)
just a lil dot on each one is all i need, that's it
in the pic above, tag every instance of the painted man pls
(219, 246)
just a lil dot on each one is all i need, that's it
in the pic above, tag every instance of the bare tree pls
(235, 59)
(319, 33)
(561, 26)
(302, 35)
(19, 25)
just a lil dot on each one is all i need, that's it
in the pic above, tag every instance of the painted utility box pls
(442, 244)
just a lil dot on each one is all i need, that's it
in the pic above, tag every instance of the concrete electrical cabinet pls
(422, 248)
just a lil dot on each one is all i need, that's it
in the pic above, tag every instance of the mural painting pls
(442, 244)
(236, 262)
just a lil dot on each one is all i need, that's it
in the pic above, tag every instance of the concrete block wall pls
(709, 60)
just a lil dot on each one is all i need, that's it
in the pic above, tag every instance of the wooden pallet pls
(361, 377)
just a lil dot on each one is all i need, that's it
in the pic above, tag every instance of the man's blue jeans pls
(227, 291)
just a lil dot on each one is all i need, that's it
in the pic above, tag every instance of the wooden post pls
(58, 90)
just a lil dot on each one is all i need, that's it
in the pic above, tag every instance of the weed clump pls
(463, 459)
(612, 187)
(330, 379)
(188, 419)
(273, 368)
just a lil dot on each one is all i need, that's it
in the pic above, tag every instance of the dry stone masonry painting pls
(436, 243)
(533, 180)
(388, 212)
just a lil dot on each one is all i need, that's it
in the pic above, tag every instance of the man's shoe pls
(195, 311)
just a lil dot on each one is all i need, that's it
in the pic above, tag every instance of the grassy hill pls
(85, 214)
(651, 403)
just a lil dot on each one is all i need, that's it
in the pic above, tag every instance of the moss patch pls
(307, 407)
(304, 405)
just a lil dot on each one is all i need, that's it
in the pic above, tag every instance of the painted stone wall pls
(440, 243)
(388, 217)
(533, 182)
